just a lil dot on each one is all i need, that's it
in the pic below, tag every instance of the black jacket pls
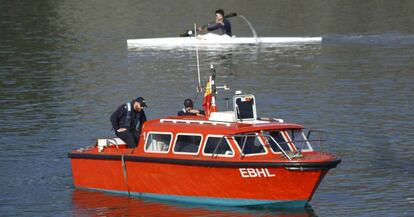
(184, 112)
(226, 28)
(119, 116)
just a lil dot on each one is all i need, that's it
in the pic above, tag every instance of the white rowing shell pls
(213, 39)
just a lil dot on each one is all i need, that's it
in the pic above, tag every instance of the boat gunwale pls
(211, 163)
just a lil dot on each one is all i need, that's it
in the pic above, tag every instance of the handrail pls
(320, 135)
(283, 151)
(266, 136)
(306, 140)
(113, 140)
(244, 144)
(188, 121)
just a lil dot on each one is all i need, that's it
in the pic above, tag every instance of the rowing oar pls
(190, 32)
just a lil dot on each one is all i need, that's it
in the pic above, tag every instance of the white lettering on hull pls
(255, 172)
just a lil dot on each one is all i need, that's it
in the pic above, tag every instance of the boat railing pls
(321, 137)
(279, 146)
(242, 154)
(299, 144)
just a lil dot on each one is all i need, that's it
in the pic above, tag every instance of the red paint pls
(267, 176)
(264, 183)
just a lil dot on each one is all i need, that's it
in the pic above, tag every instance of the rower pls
(221, 23)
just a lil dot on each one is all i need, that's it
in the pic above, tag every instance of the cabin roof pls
(195, 124)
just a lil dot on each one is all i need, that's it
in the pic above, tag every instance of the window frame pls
(293, 142)
(284, 137)
(219, 155)
(236, 107)
(188, 134)
(256, 154)
(157, 132)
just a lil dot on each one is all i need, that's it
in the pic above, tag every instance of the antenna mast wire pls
(198, 61)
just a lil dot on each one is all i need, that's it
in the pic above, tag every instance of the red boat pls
(230, 158)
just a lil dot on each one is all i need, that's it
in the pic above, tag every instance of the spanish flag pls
(207, 97)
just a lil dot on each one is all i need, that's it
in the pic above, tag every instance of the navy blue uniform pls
(131, 120)
(226, 28)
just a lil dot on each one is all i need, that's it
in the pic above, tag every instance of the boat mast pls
(213, 89)
(198, 60)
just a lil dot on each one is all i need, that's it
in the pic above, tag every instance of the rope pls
(124, 171)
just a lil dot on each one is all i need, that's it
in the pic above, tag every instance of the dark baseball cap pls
(141, 101)
(220, 11)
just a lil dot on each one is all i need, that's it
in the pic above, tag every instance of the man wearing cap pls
(221, 23)
(127, 121)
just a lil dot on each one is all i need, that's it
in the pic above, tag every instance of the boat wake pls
(385, 39)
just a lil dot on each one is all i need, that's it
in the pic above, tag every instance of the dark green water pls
(64, 67)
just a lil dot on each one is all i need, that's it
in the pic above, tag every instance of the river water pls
(64, 67)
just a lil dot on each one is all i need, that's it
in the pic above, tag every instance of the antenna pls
(213, 87)
(198, 61)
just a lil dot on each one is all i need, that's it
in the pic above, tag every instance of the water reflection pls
(88, 203)
(228, 59)
(65, 66)
(241, 67)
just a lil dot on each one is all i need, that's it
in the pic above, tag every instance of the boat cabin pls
(236, 134)
(205, 138)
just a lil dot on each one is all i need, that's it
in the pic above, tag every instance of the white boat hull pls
(213, 39)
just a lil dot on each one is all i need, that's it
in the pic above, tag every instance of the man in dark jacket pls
(127, 121)
(221, 23)
(189, 110)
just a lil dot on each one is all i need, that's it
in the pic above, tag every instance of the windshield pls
(276, 141)
(250, 144)
(299, 139)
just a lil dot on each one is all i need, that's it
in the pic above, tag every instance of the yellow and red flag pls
(207, 97)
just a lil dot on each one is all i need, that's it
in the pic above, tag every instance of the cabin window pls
(276, 141)
(217, 145)
(299, 139)
(158, 142)
(187, 143)
(245, 108)
(250, 144)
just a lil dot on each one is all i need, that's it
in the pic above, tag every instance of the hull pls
(212, 201)
(226, 186)
(211, 39)
(89, 203)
